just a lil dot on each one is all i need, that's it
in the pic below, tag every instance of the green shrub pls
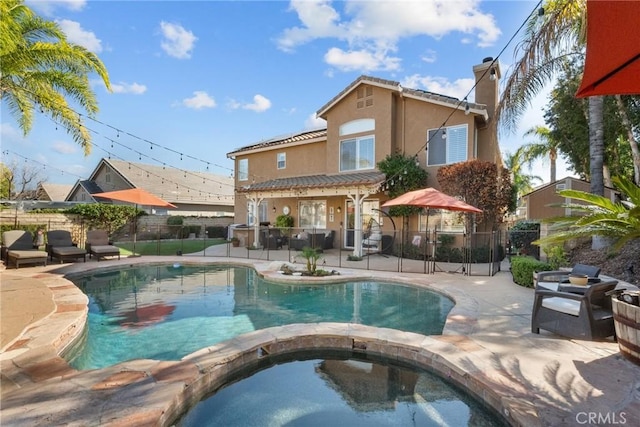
(523, 267)
(556, 256)
(522, 235)
(175, 220)
(284, 221)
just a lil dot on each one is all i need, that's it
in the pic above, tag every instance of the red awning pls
(612, 64)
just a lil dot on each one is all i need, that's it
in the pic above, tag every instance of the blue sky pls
(203, 78)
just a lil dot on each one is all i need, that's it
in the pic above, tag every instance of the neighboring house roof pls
(53, 192)
(296, 138)
(418, 94)
(317, 181)
(175, 185)
(170, 184)
(562, 181)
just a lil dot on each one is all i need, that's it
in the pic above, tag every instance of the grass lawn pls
(168, 247)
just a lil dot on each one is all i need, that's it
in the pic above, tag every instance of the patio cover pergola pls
(355, 186)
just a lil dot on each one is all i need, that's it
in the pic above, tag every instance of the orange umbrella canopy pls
(612, 63)
(137, 196)
(431, 198)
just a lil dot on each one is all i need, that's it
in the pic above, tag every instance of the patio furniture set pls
(18, 247)
(574, 311)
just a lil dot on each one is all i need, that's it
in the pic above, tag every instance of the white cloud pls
(8, 132)
(47, 7)
(177, 41)
(259, 104)
(371, 30)
(458, 88)
(362, 60)
(76, 35)
(134, 88)
(64, 147)
(199, 100)
(314, 122)
(429, 56)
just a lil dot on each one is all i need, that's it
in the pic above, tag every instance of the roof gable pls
(394, 86)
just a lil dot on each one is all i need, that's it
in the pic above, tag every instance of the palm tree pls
(522, 182)
(40, 69)
(602, 217)
(547, 146)
(551, 37)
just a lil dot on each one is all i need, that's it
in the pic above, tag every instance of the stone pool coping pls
(496, 362)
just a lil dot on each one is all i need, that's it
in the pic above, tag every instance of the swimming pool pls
(339, 389)
(165, 312)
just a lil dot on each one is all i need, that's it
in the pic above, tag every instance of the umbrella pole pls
(135, 231)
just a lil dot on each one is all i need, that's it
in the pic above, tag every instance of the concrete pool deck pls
(486, 346)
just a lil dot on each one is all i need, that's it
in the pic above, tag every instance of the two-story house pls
(327, 178)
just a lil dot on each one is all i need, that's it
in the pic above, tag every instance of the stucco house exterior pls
(327, 178)
(193, 193)
(539, 204)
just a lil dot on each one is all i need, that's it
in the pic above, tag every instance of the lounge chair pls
(552, 279)
(582, 312)
(61, 246)
(18, 248)
(98, 244)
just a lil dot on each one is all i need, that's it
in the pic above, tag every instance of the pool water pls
(336, 392)
(169, 311)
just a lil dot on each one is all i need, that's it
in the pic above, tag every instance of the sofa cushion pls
(563, 305)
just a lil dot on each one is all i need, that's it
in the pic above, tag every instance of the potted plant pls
(235, 241)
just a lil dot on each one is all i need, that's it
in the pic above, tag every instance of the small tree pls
(482, 184)
(312, 256)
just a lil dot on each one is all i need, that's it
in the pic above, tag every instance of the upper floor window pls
(243, 169)
(282, 160)
(107, 177)
(447, 145)
(357, 153)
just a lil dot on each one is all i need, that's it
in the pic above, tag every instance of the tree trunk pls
(635, 152)
(596, 156)
(596, 144)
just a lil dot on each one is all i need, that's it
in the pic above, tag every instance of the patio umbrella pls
(612, 63)
(431, 198)
(136, 196)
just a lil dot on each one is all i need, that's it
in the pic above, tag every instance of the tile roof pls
(175, 185)
(317, 181)
(303, 136)
(56, 192)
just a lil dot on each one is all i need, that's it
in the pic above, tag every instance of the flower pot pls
(626, 318)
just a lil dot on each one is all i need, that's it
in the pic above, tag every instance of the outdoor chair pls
(582, 312)
(98, 245)
(552, 279)
(18, 248)
(61, 246)
(311, 240)
(372, 242)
